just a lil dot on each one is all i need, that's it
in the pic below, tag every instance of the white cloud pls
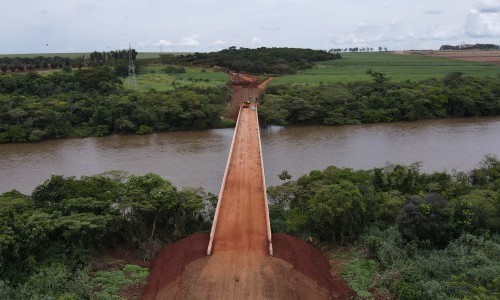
(434, 11)
(219, 42)
(190, 41)
(163, 43)
(488, 6)
(482, 24)
(256, 40)
(270, 28)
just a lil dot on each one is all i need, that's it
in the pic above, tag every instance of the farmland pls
(490, 56)
(353, 67)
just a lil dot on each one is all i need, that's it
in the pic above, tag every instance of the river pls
(198, 158)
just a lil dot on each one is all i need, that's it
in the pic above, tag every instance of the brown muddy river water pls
(198, 158)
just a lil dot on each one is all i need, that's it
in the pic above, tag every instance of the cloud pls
(163, 43)
(85, 7)
(219, 42)
(488, 6)
(481, 24)
(270, 28)
(190, 41)
(256, 40)
(434, 11)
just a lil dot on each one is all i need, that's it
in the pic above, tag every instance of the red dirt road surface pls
(240, 266)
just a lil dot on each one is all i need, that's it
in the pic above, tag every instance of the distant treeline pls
(260, 60)
(471, 47)
(92, 102)
(381, 101)
(22, 64)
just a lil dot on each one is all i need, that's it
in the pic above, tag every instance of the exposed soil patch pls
(472, 55)
(310, 261)
(245, 88)
(263, 84)
(172, 260)
(297, 271)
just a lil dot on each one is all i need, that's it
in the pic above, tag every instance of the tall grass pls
(153, 77)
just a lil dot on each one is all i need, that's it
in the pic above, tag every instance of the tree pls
(99, 79)
(377, 76)
(285, 175)
(337, 212)
(426, 220)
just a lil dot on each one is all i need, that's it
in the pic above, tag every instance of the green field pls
(153, 77)
(353, 67)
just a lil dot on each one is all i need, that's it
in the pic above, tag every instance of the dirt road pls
(241, 94)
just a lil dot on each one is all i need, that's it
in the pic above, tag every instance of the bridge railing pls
(223, 185)
(269, 237)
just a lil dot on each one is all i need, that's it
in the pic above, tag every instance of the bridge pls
(241, 221)
(239, 262)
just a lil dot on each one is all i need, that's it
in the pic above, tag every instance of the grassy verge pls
(153, 77)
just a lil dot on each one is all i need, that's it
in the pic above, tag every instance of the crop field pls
(353, 67)
(153, 77)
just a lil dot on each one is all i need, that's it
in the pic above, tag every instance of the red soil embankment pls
(172, 260)
(310, 261)
(167, 271)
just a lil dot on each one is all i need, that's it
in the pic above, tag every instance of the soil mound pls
(172, 260)
(310, 261)
(177, 270)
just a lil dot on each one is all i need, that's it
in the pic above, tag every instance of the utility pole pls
(131, 69)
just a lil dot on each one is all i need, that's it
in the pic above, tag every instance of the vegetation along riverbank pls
(396, 232)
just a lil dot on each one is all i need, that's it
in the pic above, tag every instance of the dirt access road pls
(250, 89)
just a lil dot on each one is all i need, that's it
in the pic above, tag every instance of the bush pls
(174, 70)
(107, 285)
(358, 273)
(101, 130)
(426, 220)
(144, 129)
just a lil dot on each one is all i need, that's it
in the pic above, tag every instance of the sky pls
(60, 26)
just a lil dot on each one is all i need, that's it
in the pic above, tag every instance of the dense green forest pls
(260, 60)
(408, 234)
(93, 102)
(420, 236)
(381, 100)
(49, 241)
